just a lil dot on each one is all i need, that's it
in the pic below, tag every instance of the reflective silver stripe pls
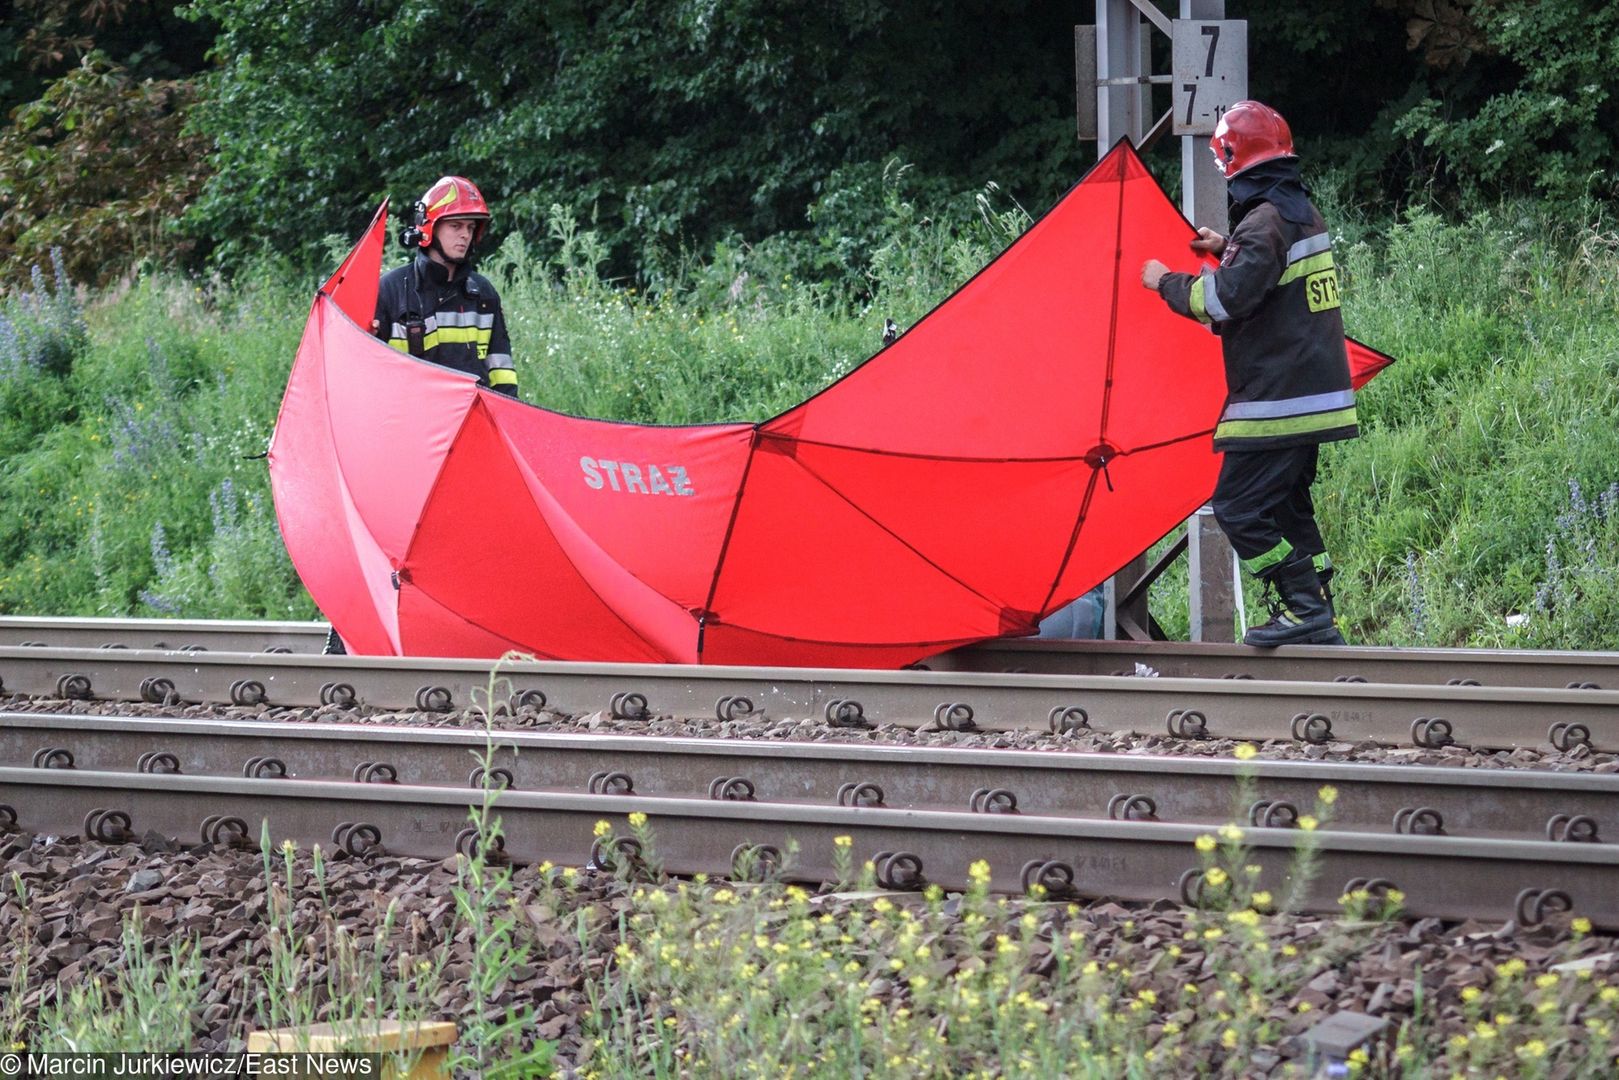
(1211, 298)
(450, 319)
(397, 332)
(1310, 245)
(499, 360)
(461, 318)
(1299, 406)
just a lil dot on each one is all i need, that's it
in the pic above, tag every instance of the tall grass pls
(1479, 490)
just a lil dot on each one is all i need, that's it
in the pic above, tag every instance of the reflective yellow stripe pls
(1260, 563)
(454, 335)
(1195, 301)
(1285, 425)
(451, 335)
(502, 377)
(1303, 267)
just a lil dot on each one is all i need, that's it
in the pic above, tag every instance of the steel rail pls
(1141, 860)
(1175, 659)
(1507, 803)
(1308, 663)
(1429, 716)
(181, 635)
(1184, 708)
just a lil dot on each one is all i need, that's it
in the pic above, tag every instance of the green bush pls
(151, 435)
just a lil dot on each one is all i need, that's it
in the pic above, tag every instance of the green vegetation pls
(127, 434)
(763, 979)
(202, 133)
(323, 961)
(1484, 486)
(738, 980)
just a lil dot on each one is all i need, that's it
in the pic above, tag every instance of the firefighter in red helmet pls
(1273, 299)
(435, 307)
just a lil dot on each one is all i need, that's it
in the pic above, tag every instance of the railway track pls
(1501, 803)
(1458, 843)
(1088, 825)
(1184, 708)
(1464, 667)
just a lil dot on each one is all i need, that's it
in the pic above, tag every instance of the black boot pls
(334, 645)
(1303, 616)
(1324, 575)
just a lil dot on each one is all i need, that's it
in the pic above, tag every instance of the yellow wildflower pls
(1206, 843)
(1244, 751)
(842, 841)
(637, 819)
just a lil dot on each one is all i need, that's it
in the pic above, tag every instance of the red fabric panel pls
(311, 504)
(353, 288)
(394, 419)
(951, 513)
(431, 629)
(804, 562)
(632, 489)
(1010, 366)
(1152, 492)
(1032, 434)
(1364, 362)
(486, 552)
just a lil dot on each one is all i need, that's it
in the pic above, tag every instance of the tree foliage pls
(681, 127)
(1532, 106)
(96, 168)
(667, 124)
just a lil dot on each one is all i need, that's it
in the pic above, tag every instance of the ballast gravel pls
(75, 895)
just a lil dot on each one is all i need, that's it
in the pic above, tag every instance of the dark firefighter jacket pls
(1274, 302)
(455, 323)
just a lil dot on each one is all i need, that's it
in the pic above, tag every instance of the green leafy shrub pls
(97, 168)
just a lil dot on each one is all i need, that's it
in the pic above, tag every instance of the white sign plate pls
(1211, 71)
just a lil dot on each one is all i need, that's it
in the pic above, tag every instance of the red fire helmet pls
(1248, 133)
(452, 197)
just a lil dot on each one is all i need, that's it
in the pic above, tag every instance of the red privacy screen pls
(1037, 430)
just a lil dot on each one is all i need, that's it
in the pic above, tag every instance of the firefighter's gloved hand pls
(1209, 241)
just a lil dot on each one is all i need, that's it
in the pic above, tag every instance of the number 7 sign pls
(1210, 71)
